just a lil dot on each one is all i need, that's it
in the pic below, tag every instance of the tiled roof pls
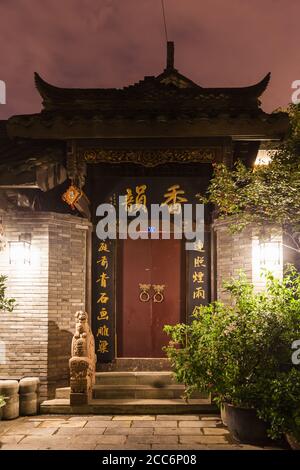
(27, 153)
(170, 93)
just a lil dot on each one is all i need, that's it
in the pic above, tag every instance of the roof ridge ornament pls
(170, 55)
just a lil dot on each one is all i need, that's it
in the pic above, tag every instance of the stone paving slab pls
(155, 424)
(177, 431)
(9, 439)
(178, 447)
(200, 423)
(159, 440)
(115, 432)
(129, 431)
(108, 424)
(32, 431)
(54, 424)
(214, 431)
(96, 418)
(80, 431)
(207, 418)
(178, 417)
(134, 418)
(123, 447)
(213, 440)
(75, 424)
(18, 447)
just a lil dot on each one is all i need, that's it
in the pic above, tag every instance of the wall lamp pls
(270, 253)
(20, 250)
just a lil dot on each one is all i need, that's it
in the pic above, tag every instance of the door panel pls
(140, 324)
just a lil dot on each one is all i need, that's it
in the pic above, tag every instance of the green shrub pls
(280, 405)
(239, 352)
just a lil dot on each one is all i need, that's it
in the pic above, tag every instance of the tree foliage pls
(266, 194)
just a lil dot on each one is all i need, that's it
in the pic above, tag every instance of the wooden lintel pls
(19, 186)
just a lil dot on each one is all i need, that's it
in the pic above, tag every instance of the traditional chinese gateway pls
(153, 142)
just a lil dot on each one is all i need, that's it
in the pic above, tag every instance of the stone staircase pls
(119, 392)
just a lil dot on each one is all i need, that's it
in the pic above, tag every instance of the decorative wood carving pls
(151, 157)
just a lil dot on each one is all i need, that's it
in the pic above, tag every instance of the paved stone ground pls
(159, 432)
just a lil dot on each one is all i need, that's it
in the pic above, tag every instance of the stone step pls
(129, 406)
(139, 391)
(63, 392)
(155, 379)
(134, 364)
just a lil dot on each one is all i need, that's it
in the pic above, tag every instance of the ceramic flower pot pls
(223, 414)
(293, 441)
(245, 426)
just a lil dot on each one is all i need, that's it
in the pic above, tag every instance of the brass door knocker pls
(144, 294)
(158, 296)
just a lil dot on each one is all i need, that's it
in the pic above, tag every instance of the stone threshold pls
(135, 364)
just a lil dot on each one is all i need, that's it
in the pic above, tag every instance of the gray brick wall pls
(35, 338)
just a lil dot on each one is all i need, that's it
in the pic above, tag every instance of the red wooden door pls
(140, 324)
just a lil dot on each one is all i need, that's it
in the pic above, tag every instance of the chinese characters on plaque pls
(172, 198)
(104, 300)
(136, 201)
(198, 291)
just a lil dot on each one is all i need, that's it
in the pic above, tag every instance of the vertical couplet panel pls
(104, 298)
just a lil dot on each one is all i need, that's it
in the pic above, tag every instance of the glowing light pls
(270, 254)
(20, 250)
(264, 157)
(267, 255)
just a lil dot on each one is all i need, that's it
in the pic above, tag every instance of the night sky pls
(113, 43)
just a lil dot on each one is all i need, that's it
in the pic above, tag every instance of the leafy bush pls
(240, 352)
(280, 406)
(5, 302)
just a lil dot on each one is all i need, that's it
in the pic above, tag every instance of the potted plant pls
(294, 438)
(236, 350)
(281, 406)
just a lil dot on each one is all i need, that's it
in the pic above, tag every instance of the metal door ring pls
(144, 296)
(158, 297)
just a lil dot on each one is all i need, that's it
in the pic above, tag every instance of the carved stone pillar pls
(83, 361)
